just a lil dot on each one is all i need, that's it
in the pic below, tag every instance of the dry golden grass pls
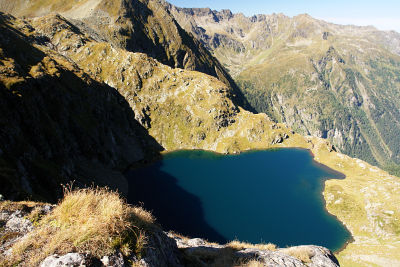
(95, 221)
(302, 253)
(237, 245)
(179, 235)
(21, 205)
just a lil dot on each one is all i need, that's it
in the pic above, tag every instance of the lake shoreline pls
(314, 163)
(351, 239)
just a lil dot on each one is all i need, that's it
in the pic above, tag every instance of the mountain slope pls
(58, 124)
(181, 109)
(331, 81)
(79, 124)
(134, 25)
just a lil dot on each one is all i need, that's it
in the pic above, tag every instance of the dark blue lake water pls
(263, 196)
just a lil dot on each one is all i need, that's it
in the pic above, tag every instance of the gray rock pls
(210, 251)
(17, 223)
(47, 208)
(269, 258)
(160, 251)
(116, 260)
(192, 243)
(201, 136)
(68, 260)
(277, 140)
(323, 257)
(204, 252)
(195, 242)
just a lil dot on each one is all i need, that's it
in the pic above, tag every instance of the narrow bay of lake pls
(261, 196)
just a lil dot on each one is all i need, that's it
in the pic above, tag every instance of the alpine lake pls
(270, 196)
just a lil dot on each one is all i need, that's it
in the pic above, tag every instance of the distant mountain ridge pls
(322, 79)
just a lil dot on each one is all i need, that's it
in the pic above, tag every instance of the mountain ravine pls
(80, 105)
(321, 79)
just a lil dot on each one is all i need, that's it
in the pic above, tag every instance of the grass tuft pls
(95, 221)
(302, 253)
(237, 245)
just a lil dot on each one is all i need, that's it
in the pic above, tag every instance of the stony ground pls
(20, 219)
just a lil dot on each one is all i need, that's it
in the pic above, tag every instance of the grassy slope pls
(180, 108)
(367, 203)
(284, 68)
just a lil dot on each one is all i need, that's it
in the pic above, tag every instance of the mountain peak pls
(304, 15)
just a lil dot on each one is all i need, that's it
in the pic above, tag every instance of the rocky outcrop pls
(70, 259)
(162, 249)
(204, 253)
(17, 220)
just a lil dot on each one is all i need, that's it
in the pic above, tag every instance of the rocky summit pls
(90, 88)
(322, 79)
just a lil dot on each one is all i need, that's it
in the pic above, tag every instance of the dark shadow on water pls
(174, 208)
(274, 196)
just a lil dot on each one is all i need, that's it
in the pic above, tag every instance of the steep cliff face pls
(134, 25)
(58, 124)
(322, 79)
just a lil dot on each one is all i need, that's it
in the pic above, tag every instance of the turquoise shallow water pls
(263, 196)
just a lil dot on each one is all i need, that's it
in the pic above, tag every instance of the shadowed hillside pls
(57, 124)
